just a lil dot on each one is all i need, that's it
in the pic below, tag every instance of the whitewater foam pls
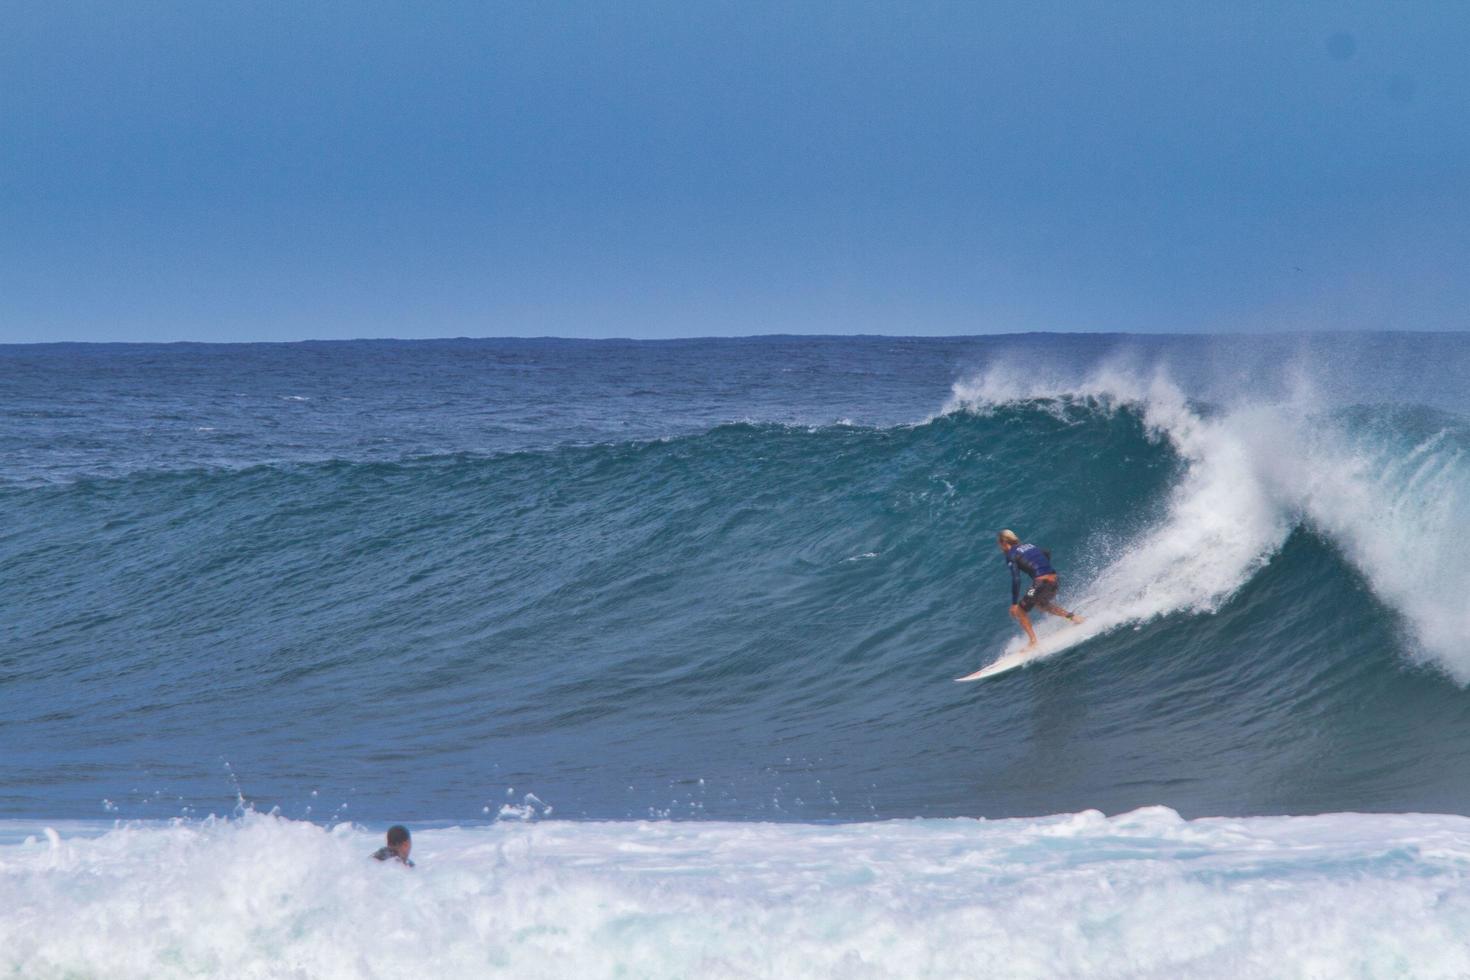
(1144, 894)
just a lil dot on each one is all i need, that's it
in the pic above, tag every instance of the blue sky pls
(254, 171)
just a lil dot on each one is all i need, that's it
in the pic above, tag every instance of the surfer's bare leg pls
(1025, 621)
(1056, 610)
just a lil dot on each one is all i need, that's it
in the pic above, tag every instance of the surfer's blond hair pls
(1008, 536)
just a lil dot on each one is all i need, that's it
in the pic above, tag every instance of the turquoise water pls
(731, 580)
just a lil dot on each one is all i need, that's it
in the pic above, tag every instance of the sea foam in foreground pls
(1144, 894)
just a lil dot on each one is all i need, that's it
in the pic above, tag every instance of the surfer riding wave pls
(1036, 563)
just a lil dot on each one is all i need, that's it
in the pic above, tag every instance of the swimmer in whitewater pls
(1036, 563)
(399, 846)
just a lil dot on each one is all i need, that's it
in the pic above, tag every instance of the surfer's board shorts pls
(1040, 594)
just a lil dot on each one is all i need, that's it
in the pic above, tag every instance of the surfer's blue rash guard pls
(1029, 559)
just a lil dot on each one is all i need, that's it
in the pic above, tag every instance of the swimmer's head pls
(1007, 540)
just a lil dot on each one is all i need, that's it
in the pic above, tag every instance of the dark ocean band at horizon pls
(732, 579)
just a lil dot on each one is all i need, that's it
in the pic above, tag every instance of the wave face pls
(1144, 894)
(730, 580)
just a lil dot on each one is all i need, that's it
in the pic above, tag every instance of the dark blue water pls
(731, 579)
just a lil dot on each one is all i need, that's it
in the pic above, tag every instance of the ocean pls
(652, 645)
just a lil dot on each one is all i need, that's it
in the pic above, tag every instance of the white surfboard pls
(1011, 659)
(1006, 661)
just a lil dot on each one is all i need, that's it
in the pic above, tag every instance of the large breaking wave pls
(760, 620)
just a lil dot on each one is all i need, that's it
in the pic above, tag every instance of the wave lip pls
(1141, 894)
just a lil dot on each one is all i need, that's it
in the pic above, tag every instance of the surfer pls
(1036, 563)
(399, 845)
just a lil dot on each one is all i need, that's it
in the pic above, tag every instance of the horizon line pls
(728, 337)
